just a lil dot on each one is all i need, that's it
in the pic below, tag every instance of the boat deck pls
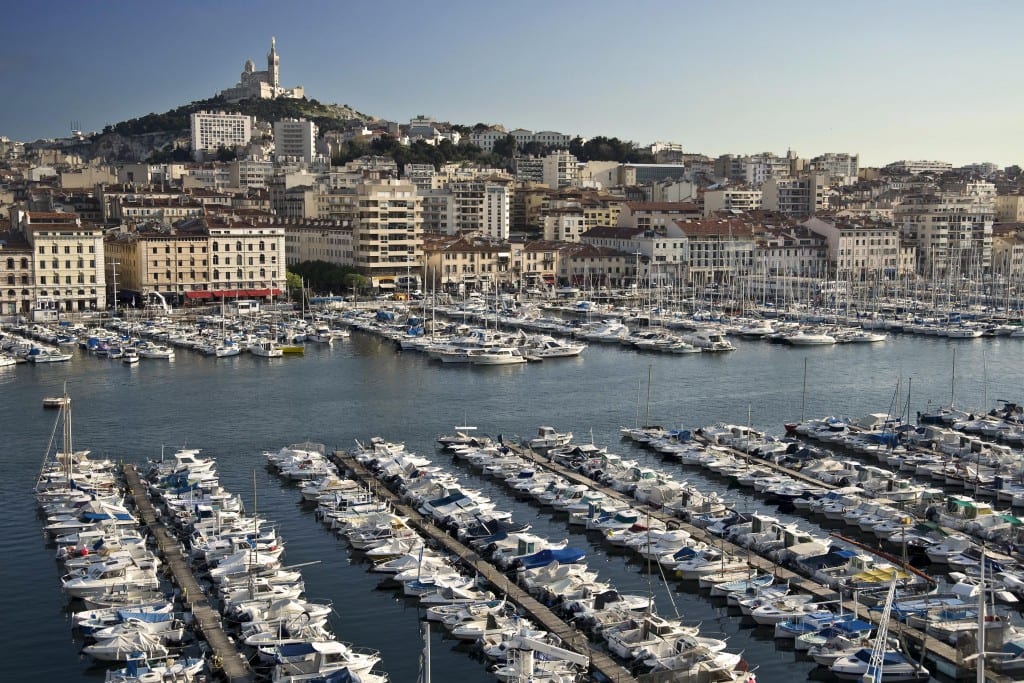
(600, 662)
(233, 664)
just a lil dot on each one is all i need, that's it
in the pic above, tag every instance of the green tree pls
(293, 281)
(506, 147)
(356, 283)
(225, 154)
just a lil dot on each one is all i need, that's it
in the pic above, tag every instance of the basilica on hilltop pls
(262, 85)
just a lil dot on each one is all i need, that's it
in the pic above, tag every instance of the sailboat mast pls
(952, 383)
(647, 410)
(803, 396)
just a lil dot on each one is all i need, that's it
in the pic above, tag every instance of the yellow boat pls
(293, 348)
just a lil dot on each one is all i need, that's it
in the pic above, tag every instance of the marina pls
(404, 384)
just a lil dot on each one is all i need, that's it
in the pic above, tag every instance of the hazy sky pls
(890, 80)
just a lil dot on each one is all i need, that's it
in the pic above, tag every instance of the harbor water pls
(234, 408)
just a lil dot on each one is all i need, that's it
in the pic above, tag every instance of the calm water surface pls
(235, 408)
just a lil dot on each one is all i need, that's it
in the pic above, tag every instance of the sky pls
(909, 79)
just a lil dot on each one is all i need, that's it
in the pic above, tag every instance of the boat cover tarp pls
(547, 556)
(295, 649)
(339, 676)
(148, 617)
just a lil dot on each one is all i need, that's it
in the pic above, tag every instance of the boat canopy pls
(546, 557)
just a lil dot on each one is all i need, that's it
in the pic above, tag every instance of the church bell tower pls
(274, 65)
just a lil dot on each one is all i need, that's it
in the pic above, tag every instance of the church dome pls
(250, 66)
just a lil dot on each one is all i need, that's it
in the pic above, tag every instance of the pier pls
(944, 658)
(601, 663)
(231, 662)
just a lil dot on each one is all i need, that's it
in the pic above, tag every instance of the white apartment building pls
(482, 206)
(294, 140)
(732, 199)
(213, 130)
(560, 169)
(485, 139)
(859, 252)
(916, 167)
(759, 168)
(952, 233)
(840, 168)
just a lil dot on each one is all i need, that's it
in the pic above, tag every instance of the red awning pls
(549, 278)
(199, 295)
(245, 293)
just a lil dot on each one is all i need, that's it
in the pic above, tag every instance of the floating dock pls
(944, 658)
(232, 663)
(601, 664)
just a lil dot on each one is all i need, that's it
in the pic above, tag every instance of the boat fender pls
(83, 552)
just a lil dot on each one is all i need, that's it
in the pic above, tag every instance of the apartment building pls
(317, 240)
(717, 249)
(1009, 208)
(951, 233)
(295, 140)
(68, 257)
(796, 196)
(211, 131)
(740, 199)
(859, 251)
(387, 231)
(560, 169)
(17, 274)
(592, 267)
(467, 263)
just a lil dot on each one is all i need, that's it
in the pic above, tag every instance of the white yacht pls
(265, 348)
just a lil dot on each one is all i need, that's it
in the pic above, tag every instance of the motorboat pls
(498, 355)
(547, 437)
(139, 670)
(896, 667)
(265, 348)
(55, 401)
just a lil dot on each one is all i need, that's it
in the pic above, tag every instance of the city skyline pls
(911, 81)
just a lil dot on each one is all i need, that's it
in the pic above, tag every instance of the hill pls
(165, 136)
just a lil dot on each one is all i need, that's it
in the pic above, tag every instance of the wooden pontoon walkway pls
(232, 663)
(600, 662)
